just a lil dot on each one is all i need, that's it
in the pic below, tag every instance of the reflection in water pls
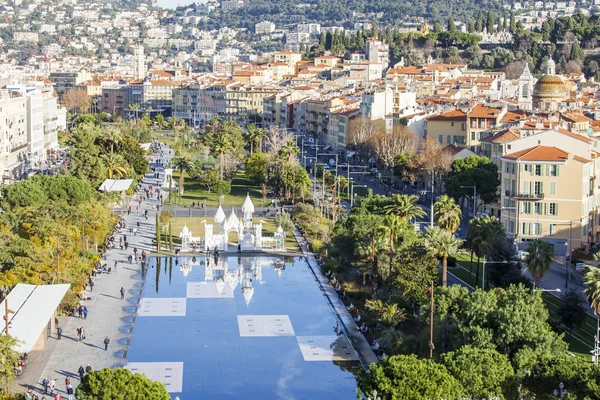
(157, 273)
(227, 271)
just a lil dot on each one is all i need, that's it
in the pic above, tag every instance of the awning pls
(33, 306)
(112, 185)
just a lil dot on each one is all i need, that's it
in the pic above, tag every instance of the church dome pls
(550, 86)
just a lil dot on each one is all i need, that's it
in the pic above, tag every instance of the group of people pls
(336, 284)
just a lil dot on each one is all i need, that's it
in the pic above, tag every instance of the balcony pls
(524, 196)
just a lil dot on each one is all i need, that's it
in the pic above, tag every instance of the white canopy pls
(33, 306)
(115, 185)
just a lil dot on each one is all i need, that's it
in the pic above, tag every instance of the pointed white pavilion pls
(248, 210)
(220, 219)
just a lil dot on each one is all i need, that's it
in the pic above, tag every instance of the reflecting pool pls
(240, 327)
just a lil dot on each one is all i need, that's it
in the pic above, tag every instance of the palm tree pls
(405, 206)
(484, 231)
(393, 227)
(135, 108)
(447, 213)
(541, 255)
(591, 280)
(254, 135)
(115, 165)
(389, 314)
(182, 164)
(113, 136)
(443, 244)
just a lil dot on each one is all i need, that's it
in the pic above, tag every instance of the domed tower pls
(550, 90)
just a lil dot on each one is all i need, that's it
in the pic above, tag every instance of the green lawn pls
(583, 337)
(196, 225)
(195, 192)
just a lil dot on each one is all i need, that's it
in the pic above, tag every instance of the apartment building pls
(482, 119)
(339, 125)
(64, 81)
(153, 96)
(288, 57)
(550, 190)
(449, 127)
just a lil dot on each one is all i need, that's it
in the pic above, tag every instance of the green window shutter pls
(557, 170)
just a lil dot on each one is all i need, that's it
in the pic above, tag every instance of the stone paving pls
(109, 316)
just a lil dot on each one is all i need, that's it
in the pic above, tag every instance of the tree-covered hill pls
(344, 12)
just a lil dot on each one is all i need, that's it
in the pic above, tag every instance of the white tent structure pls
(115, 185)
(34, 307)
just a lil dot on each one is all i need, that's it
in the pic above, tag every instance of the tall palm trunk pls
(445, 271)
(181, 178)
(221, 164)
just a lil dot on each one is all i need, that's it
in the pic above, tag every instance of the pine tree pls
(322, 39)
(491, 19)
(513, 23)
(479, 24)
(471, 26)
(577, 53)
(328, 40)
(451, 25)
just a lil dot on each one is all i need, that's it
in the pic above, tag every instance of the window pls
(441, 139)
(463, 126)
(473, 123)
(537, 170)
(527, 208)
(481, 123)
(452, 123)
(538, 187)
(539, 208)
(553, 170)
(506, 184)
(552, 229)
(448, 139)
(552, 187)
(553, 209)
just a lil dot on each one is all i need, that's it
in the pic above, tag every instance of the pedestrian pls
(79, 310)
(128, 210)
(70, 392)
(81, 371)
(46, 383)
(88, 369)
(135, 231)
(106, 342)
(52, 386)
(85, 312)
(116, 266)
(67, 382)
(126, 245)
(82, 334)
(137, 209)
(59, 332)
(122, 293)
(79, 329)
(91, 286)
(57, 397)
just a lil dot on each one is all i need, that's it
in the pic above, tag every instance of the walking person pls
(67, 382)
(88, 369)
(46, 383)
(81, 372)
(82, 334)
(91, 286)
(116, 266)
(59, 332)
(85, 312)
(106, 342)
(70, 392)
(52, 386)
(79, 310)
(122, 293)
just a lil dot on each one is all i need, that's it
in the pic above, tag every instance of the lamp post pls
(483, 271)
(561, 393)
(474, 197)
(569, 252)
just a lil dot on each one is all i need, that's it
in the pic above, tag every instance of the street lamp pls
(483, 272)
(557, 290)
(569, 252)
(562, 392)
(352, 194)
(474, 197)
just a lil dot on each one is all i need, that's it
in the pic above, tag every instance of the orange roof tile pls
(540, 153)
(504, 136)
(454, 115)
(481, 111)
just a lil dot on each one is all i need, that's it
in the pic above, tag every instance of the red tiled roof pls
(454, 115)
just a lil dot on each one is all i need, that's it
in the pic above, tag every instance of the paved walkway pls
(109, 316)
(365, 354)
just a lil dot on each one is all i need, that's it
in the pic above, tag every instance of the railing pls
(524, 196)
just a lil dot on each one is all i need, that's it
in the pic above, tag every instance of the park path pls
(109, 316)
